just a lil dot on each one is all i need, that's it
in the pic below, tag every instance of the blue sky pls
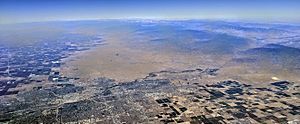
(14, 11)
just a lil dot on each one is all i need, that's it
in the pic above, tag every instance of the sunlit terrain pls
(149, 71)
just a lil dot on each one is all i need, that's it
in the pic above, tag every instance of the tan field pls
(120, 60)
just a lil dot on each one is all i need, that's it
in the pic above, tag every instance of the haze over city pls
(149, 61)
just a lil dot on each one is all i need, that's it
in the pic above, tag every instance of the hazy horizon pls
(12, 11)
